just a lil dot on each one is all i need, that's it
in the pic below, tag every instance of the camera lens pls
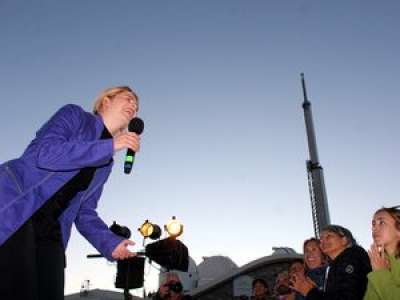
(175, 287)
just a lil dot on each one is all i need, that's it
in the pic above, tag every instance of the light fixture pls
(122, 231)
(150, 230)
(174, 228)
(170, 253)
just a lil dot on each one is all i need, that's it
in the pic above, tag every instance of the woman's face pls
(122, 107)
(384, 231)
(313, 255)
(332, 244)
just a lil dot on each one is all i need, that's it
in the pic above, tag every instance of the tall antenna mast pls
(315, 174)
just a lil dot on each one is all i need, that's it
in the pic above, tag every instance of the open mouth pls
(310, 259)
(130, 112)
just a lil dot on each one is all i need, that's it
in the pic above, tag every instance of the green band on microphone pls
(129, 159)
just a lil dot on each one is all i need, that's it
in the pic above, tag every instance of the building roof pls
(98, 294)
(277, 257)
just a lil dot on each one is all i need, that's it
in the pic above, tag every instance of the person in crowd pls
(384, 280)
(260, 290)
(282, 290)
(315, 262)
(58, 181)
(171, 289)
(314, 266)
(348, 268)
(296, 267)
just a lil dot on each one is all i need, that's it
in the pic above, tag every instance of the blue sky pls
(224, 145)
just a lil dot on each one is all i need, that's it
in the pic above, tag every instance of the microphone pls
(136, 125)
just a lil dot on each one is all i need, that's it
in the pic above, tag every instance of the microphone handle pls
(129, 160)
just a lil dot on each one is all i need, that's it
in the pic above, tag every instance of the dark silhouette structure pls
(315, 174)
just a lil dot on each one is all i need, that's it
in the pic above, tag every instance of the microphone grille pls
(136, 125)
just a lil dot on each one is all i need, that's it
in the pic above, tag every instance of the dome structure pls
(213, 267)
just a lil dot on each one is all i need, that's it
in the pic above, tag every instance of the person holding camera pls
(282, 290)
(171, 289)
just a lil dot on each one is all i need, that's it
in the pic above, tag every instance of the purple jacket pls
(68, 142)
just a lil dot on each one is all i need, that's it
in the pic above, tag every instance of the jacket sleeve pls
(349, 277)
(384, 284)
(371, 293)
(58, 148)
(94, 229)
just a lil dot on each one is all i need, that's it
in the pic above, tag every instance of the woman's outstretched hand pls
(122, 251)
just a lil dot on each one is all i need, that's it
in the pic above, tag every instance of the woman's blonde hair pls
(111, 92)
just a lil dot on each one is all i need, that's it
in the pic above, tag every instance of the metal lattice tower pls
(315, 174)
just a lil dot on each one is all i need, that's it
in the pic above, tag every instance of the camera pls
(283, 289)
(175, 287)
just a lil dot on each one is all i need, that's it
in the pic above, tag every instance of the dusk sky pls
(224, 145)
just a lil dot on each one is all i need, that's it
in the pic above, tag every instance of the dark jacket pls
(317, 275)
(347, 277)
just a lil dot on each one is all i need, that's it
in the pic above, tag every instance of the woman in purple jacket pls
(58, 181)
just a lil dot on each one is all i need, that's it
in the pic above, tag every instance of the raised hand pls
(127, 140)
(378, 258)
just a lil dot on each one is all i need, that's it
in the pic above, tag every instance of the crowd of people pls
(335, 267)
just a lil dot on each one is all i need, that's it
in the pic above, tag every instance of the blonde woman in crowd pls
(315, 262)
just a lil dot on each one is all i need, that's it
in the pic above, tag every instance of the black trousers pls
(31, 270)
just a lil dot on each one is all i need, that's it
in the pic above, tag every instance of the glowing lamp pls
(150, 230)
(174, 228)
